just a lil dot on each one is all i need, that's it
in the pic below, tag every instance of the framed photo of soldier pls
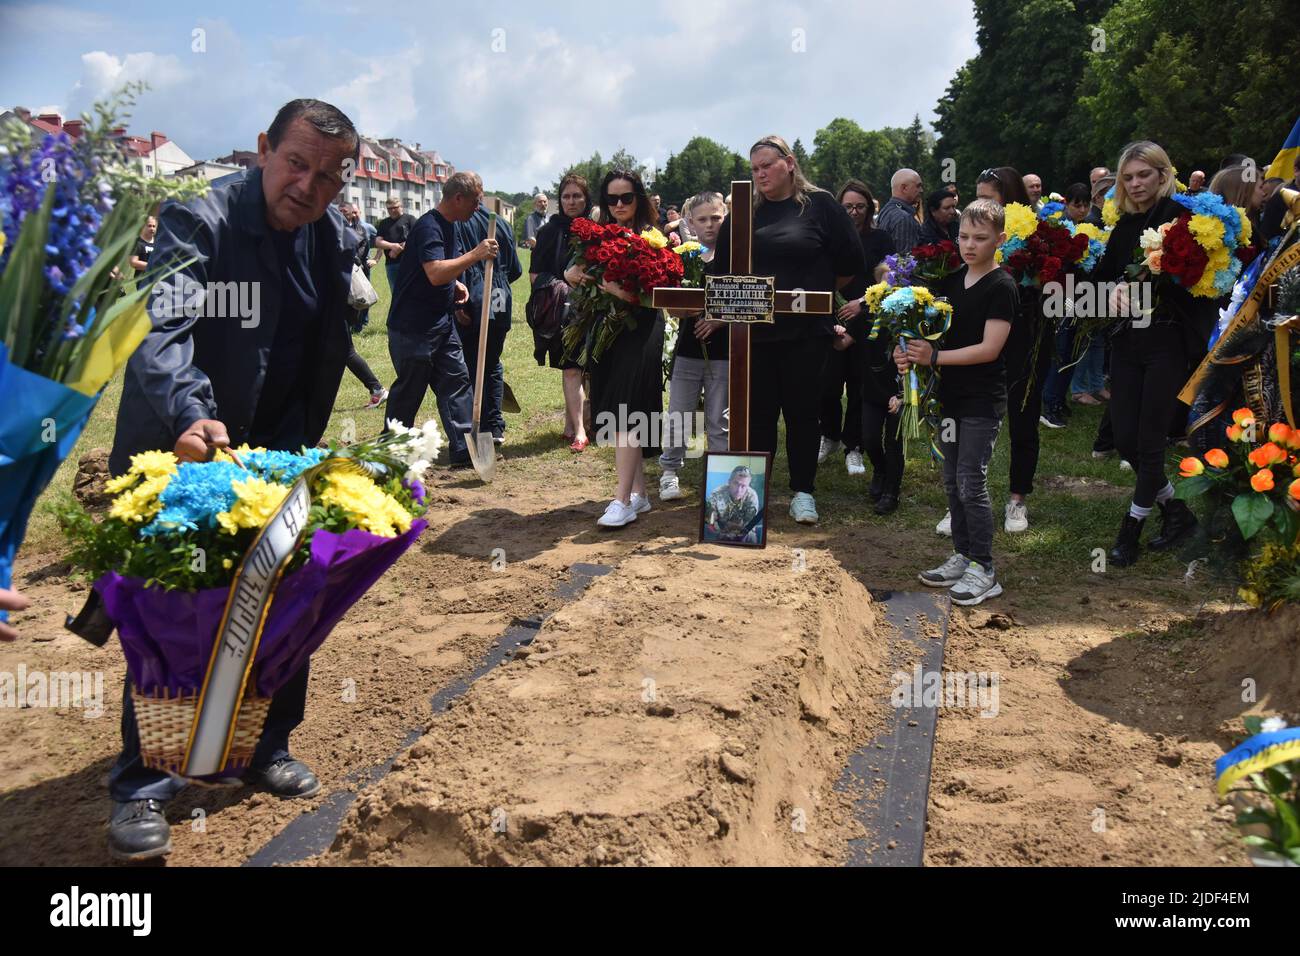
(733, 510)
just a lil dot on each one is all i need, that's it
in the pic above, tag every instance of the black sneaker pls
(1053, 418)
(886, 504)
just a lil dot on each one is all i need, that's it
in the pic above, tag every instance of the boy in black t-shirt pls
(973, 396)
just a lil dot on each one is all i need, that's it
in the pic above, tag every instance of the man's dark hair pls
(1078, 192)
(326, 119)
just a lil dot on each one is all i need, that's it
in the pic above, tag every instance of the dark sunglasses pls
(622, 199)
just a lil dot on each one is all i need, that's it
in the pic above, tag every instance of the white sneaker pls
(829, 447)
(975, 586)
(1125, 466)
(1017, 517)
(853, 463)
(944, 527)
(377, 398)
(640, 503)
(669, 489)
(946, 574)
(617, 515)
(803, 509)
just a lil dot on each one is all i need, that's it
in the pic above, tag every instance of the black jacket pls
(191, 367)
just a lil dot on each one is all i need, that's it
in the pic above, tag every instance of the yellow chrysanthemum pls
(1021, 220)
(244, 449)
(366, 504)
(686, 247)
(140, 503)
(943, 306)
(1207, 230)
(1244, 233)
(147, 464)
(923, 295)
(2, 242)
(257, 501)
(655, 238)
(1109, 212)
(875, 295)
(1089, 230)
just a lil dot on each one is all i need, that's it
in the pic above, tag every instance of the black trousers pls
(432, 359)
(785, 382)
(1147, 368)
(490, 418)
(883, 444)
(843, 370)
(358, 367)
(1026, 375)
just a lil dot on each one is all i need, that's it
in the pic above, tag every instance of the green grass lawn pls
(1068, 518)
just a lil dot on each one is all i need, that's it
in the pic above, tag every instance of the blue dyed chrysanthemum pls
(197, 493)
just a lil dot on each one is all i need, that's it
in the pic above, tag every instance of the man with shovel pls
(500, 307)
(422, 340)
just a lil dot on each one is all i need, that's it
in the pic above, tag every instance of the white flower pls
(1151, 239)
(417, 470)
(1271, 725)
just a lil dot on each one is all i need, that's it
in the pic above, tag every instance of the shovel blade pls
(508, 401)
(482, 454)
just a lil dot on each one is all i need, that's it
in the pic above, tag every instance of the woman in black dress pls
(627, 387)
(550, 258)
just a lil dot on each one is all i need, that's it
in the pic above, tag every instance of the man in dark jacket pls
(508, 268)
(248, 345)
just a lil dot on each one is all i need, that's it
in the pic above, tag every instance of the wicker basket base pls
(164, 725)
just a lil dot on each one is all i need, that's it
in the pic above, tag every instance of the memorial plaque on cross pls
(740, 299)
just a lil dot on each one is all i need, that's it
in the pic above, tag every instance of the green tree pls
(801, 156)
(701, 165)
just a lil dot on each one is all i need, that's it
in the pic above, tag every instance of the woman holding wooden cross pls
(804, 238)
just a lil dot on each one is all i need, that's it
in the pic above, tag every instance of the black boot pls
(886, 503)
(877, 487)
(1127, 545)
(1176, 523)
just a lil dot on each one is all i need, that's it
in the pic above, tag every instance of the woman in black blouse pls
(806, 240)
(627, 384)
(550, 258)
(1152, 353)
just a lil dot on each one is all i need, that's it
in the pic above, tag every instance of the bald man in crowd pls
(898, 216)
(1034, 186)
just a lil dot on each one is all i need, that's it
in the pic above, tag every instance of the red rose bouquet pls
(934, 262)
(613, 253)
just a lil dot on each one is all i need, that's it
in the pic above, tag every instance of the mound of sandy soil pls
(690, 708)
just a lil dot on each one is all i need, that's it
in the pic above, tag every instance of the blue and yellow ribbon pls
(1255, 754)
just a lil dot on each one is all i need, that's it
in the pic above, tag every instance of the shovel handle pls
(484, 317)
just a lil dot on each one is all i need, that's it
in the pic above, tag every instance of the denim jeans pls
(1090, 373)
(494, 374)
(965, 479)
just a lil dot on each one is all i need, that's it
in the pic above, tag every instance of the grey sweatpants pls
(689, 376)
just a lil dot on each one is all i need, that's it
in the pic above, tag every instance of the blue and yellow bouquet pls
(70, 212)
(912, 312)
(174, 557)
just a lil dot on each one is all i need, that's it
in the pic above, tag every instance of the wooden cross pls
(742, 262)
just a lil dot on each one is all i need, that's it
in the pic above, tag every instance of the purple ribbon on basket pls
(167, 636)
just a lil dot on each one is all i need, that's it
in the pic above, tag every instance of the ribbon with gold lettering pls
(1281, 263)
(251, 593)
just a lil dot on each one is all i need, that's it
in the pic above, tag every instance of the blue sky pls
(515, 91)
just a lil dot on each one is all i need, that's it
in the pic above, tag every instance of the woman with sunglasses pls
(628, 377)
(805, 239)
(550, 257)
